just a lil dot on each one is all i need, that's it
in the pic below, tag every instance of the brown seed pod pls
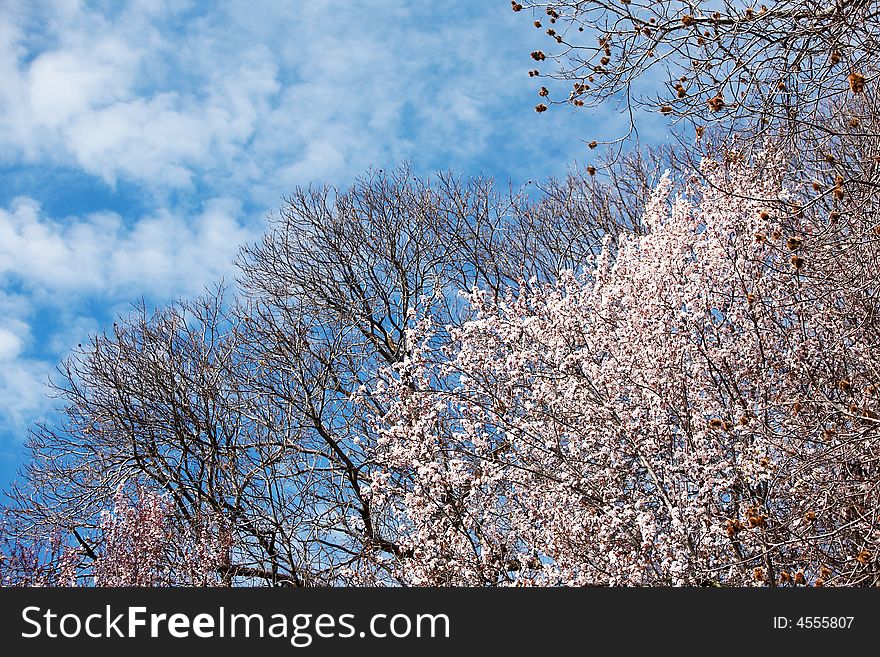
(856, 82)
(755, 519)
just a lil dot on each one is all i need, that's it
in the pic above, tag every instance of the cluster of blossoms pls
(38, 563)
(143, 546)
(698, 406)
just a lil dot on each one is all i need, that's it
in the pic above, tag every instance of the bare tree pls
(242, 410)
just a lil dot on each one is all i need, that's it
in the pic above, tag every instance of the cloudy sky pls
(141, 143)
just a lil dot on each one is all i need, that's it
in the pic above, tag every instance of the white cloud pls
(159, 255)
(10, 345)
(22, 392)
(22, 379)
(65, 84)
(102, 96)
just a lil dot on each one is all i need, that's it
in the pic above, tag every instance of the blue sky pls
(141, 143)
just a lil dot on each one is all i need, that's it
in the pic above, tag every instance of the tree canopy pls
(661, 369)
